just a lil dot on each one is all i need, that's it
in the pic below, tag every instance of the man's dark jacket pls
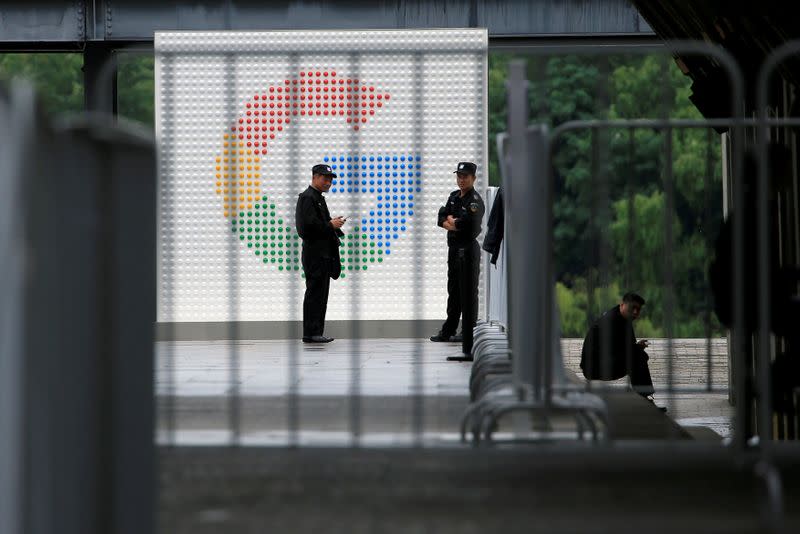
(320, 240)
(607, 346)
(495, 228)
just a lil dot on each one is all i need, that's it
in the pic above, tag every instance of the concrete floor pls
(281, 391)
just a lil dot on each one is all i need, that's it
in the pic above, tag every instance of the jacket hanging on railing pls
(494, 229)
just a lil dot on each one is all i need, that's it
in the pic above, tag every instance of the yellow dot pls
(225, 175)
(249, 153)
(249, 183)
(225, 145)
(241, 198)
(226, 214)
(249, 167)
(249, 206)
(257, 183)
(241, 206)
(219, 184)
(241, 183)
(226, 152)
(218, 175)
(225, 136)
(258, 167)
(250, 191)
(257, 175)
(241, 145)
(249, 199)
(226, 191)
(256, 159)
(219, 191)
(258, 191)
(217, 167)
(241, 167)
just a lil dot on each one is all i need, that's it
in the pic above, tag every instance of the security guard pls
(462, 217)
(320, 255)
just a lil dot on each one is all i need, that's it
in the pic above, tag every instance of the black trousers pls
(639, 372)
(463, 272)
(315, 304)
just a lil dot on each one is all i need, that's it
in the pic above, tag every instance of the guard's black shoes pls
(439, 338)
(317, 339)
(652, 400)
(464, 357)
(458, 338)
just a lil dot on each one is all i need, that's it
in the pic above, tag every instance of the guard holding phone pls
(320, 256)
(462, 217)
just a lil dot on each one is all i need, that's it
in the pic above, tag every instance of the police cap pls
(323, 169)
(466, 167)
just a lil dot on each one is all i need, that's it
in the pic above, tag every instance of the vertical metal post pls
(100, 78)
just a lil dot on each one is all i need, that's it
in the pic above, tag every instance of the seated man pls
(610, 350)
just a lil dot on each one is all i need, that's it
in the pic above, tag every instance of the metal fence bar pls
(417, 378)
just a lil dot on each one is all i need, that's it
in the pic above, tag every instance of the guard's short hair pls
(633, 297)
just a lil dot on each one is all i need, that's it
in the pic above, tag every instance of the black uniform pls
(320, 257)
(463, 264)
(610, 352)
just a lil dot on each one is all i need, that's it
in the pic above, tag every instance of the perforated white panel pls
(241, 117)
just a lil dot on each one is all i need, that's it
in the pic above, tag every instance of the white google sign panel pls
(241, 119)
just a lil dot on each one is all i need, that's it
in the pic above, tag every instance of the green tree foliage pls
(56, 76)
(610, 209)
(136, 89)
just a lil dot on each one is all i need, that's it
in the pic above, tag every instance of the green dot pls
(280, 229)
(343, 275)
(250, 229)
(280, 253)
(380, 251)
(272, 230)
(258, 252)
(280, 268)
(372, 244)
(364, 260)
(272, 245)
(296, 245)
(372, 260)
(257, 206)
(241, 214)
(364, 237)
(264, 197)
(272, 206)
(380, 260)
(249, 213)
(258, 236)
(349, 267)
(265, 260)
(280, 245)
(249, 245)
(233, 221)
(302, 275)
(349, 260)
(272, 237)
(364, 267)
(280, 221)
(271, 252)
(272, 214)
(272, 260)
(280, 260)
(341, 260)
(371, 251)
(355, 229)
(272, 221)
(249, 238)
(296, 268)
(241, 237)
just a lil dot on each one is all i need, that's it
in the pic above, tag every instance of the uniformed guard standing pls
(320, 254)
(462, 217)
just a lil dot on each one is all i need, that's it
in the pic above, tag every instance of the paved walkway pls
(406, 385)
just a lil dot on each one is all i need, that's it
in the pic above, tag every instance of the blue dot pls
(363, 175)
(394, 205)
(325, 158)
(348, 159)
(349, 189)
(380, 174)
(402, 165)
(402, 174)
(394, 212)
(380, 205)
(379, 198)
(371, 228)
(394, 166)
(380, 244)
(410, 197)
(402, 197)
(395, 235)
(395, 229)
(410, 212)
(372, 158)
(380, 158)
(402, 221)
(372, 236)
(371, 182)
(404, 205)
(387, 249)
(402, 189)
(418, 158)
(333, 190)
(394, 190)
(395, 175)
(418, 175)
(371, 189)
(363, 158)
(419, 190)
(403, 228)
(394, 158)
(333, 166)
(372, 213)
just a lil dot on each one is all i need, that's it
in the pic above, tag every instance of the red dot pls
(372, 112)
(271, 90)
(272, 121)
(286, 81)
(325, 105)
(319, 96)
(363, 111)
(248, 113)
(325, 90)
(333, 73)
(249, 143)
(241, 121)
(294, 82)
(233, 128)
(349, 120)
(341, 81)
(256, 97)
(371, 89)
(255, 151)
(271, 128)
(355, 127)
(317, 73)
(302, 82)
(272, 136)
(248, 104)
(349, 80)
(249, 128)
(387, 97)
(294, 112)
(380, 104)
(372, 104)
(380, 96)
(241, 136)
(288, 119)
(319, 113)
(302, 73)
(325, 82)
(364, 119)
(355, 81)
(280, 128)
(325, 73)
(341, 104)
